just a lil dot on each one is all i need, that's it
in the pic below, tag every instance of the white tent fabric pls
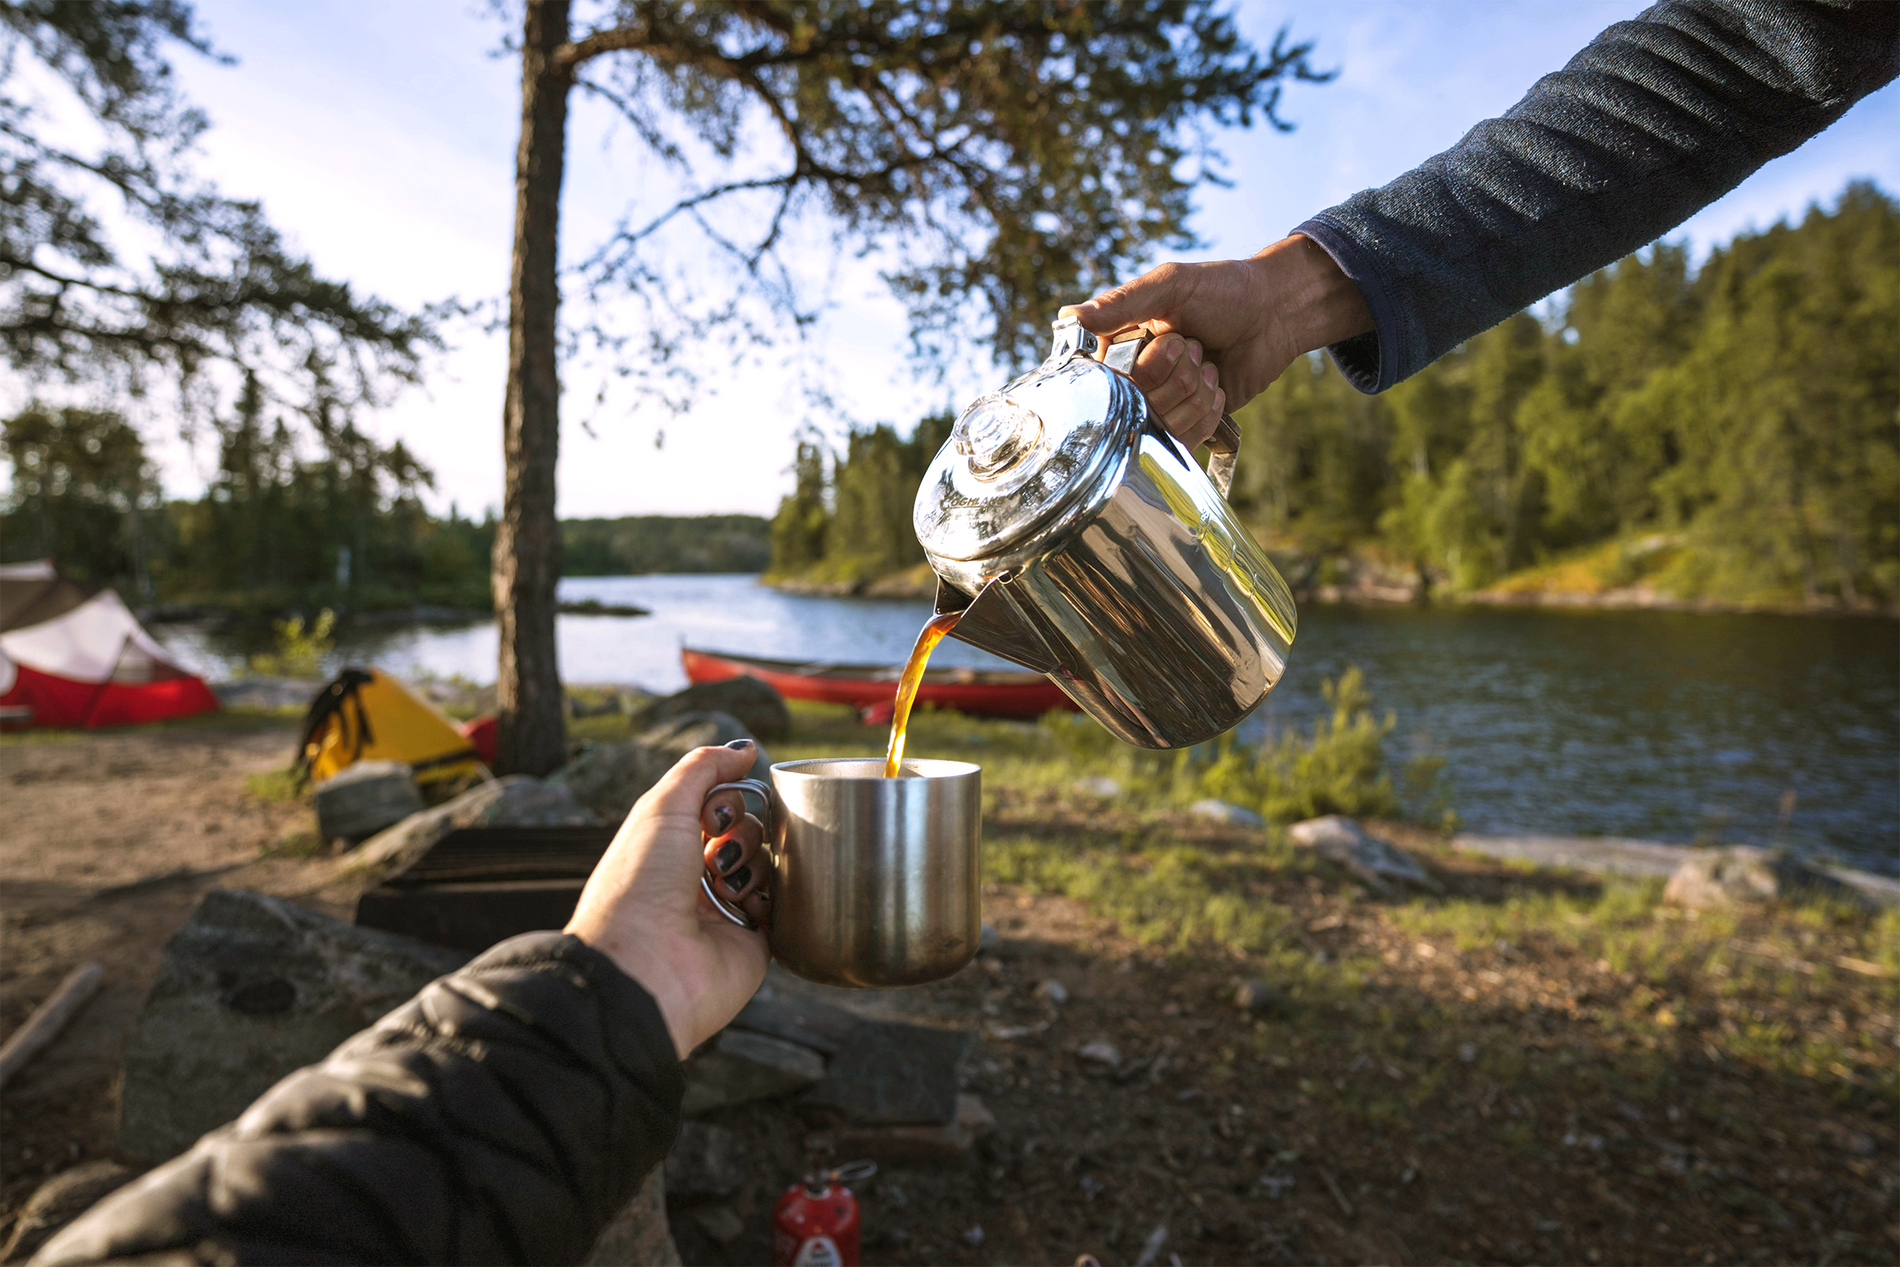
(38, 570)
(8, 674)
(97, 641)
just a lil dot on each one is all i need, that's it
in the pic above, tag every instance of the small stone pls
(719, 1222)
(706, 1161)
(1341, 840)
(1223, 812)
(1100, 1053)
(741, 1066)
(1052, 992)
(973, 1236)
(988, 940)
(516, 801)
(362, 799)
(1255, 997)
(1099, 785)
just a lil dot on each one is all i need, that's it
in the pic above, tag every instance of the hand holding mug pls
(643, 908)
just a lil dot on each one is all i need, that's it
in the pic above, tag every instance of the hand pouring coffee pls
(1069, 533)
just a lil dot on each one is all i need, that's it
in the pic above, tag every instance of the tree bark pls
(527, 561)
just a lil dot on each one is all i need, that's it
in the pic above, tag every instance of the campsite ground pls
(1527, 1066)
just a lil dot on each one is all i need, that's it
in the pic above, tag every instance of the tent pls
(73, 657)
(367, 715)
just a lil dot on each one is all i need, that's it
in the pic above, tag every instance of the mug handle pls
(706, 877)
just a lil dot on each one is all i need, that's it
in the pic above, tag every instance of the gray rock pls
(1742, 875)
(706, 1161)
(759, 708)
(516, 801)
(249, 990)
(1256, 998)
(1223, 812)
(59, 1201)
(608, 778)
(639, 1233)
(740, 1066)
(1101, 1053)
(362, 799)
(988, 939)
(1340, 839)
(807, 1022)
(1052, 992)
(892, 1073)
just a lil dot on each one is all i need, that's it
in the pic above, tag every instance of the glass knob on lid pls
(995, 434)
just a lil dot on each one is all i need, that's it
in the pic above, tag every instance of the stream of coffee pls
(933, 631)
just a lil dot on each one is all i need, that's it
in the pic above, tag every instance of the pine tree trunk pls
(527, 540)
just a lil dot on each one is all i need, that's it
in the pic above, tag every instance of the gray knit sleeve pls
(1655, 119)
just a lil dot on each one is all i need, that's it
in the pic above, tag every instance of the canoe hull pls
(871, 688)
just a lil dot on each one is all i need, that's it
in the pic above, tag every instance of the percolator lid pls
(1021, 460)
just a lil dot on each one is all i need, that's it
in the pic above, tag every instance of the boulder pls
(1223, 812)
(608, 778)
(59, 1201)
(516, 801)
(639, 1233)
(250, 989)
(740, 1066)
(1377, 863)
(892, 1073)
(706, 1162)
(362, 799)
(759, 708)
(1740, 875)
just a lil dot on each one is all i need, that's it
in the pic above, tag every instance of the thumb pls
(1151, 296)
(684, 788)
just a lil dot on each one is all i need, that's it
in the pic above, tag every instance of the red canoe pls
(871, 688)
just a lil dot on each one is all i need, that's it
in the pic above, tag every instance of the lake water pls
(1659, 725)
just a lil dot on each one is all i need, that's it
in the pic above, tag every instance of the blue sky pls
(380, 136)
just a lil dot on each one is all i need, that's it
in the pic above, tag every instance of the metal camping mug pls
(876, 881)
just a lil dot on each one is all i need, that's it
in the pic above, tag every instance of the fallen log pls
(48, 1019)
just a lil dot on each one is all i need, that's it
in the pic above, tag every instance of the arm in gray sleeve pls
(1658, 117)
(502, 1116)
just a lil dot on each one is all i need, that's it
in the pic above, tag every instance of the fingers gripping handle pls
(707, 876)
(1223, 446)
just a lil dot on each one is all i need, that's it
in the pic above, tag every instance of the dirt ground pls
(1456, 1105)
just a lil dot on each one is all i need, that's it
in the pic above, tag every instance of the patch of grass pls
(274, 787)
(1175, 896)
(296, 843)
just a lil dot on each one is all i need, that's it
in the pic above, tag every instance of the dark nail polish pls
(739, 879)
(728, 854)
(723, 816)
(739, 745)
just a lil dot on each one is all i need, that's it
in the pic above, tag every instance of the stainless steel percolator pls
(1080, 539)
